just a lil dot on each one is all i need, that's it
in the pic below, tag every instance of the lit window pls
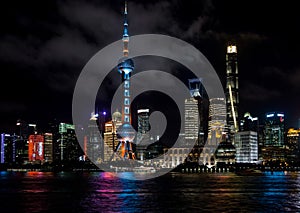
(126, 101)
(126, 93)
(126, 118)
(126, 76)
(126, 110)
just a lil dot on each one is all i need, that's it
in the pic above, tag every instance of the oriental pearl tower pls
(125, 133)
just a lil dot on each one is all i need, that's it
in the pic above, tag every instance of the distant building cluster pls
(239, 139)
(28, 146)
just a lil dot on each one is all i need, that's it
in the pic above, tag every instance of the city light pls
(231, 49)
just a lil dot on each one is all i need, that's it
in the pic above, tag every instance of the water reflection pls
(104, 192)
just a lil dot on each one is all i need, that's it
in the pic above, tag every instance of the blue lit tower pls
(125, 132)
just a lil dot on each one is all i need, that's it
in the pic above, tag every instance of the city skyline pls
(45, 46)
(234, 151)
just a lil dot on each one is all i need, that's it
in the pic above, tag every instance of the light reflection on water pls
(103, 192)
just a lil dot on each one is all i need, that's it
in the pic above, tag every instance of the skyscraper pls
(67, 147)
(48, 147)
(110, 135)
(274, 129)
(23, 129)
(274, 146)
(249, 123)
(232, 91)
(191, 124)
(94, 146)
(143, 134)
(216, 129)
(217, 115)
(36, 148)
(194, 114)
(293, 144)
(7, 148)
(108, 140)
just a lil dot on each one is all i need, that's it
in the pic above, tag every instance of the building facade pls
(191, 121)
(8, 148)
(216, 130)
(143, 134)
(48, 147)
(274, 129)
(94, 146)
(110, 135)
(36, 148)
(67, 148)
(274, 137)
(246, 145)
(293, 145)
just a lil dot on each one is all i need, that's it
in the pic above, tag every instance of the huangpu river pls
(174, 192)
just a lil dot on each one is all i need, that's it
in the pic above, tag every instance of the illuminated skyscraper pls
(232, 91)
(274, 146)
(110, 135)
(23, 130)
(2, 148)
(94, 145)
(246, 147)
(36, 148)
(193, 107)
(216, 129)
(293, 144)
(249, 123)
(217, 115)
(108, 138)
(48, 147)
(67, 147)
(274, 129)
(8, 148)
(126, 133)
(143, 134)
(191, 124)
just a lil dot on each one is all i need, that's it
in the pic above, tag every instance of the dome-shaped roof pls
(116, 116)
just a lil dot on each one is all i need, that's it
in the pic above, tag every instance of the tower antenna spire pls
(125, 32)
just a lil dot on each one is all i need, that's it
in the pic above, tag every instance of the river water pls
(173, 192)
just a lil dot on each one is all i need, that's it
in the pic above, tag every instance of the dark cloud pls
(259, 93)
(45, 44)
(294, 80)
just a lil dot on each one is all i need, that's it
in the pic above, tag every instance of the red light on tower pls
(281, 119)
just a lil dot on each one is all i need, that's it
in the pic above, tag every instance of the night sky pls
(45, 44)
